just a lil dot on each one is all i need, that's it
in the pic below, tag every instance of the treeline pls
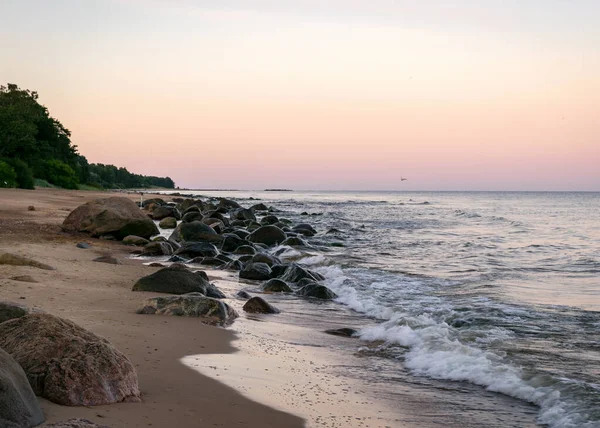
(35, 145)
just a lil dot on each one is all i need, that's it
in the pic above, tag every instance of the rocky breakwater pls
(223, 234)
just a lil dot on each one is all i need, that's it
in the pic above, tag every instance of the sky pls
(320, 95)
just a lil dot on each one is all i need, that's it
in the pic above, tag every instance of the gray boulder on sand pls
(177, 280)
(258, 305)
(15, 260)
(158, 248)
(166, 211)
(256, 271)
(67, 364)
(11, 310)
(117, 216)
(75, 423)
(19, 407)
(268, 235)
(211, 311)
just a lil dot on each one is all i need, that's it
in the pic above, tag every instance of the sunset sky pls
(315, 94)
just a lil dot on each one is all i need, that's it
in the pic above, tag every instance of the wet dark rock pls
(265, 258)
(269, 219)
(173, 280)
(208, 261)
(317, 291)
(166, 211)
(268, 235)
(295, 273)
(276, 286)
(156, 201)
(117, 216)
(259, 207)
(228, 203)
(194, 231)
(243, 214)
(345, 332)
(231, 242)
(333, 230)
(209, 310)
(177, 259)
(256, 271)
(83, 245)
(305, 229)
(192, 216)
(243, 295)
(245, 249)
(278, 270)
(168, 223)
(158, 248)
(67, 364)
(294, 241)
(234, 265)
(197, 249)
(245, 258)
(257, 305)
(19, 407)
(192, 209)
(160, 265)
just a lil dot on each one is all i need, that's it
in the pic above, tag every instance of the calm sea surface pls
(467, 293)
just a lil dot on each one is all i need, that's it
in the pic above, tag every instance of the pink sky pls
(252, 96)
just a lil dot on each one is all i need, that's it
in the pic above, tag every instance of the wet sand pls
(98, 297)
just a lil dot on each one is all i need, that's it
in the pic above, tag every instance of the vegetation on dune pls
(35, 147)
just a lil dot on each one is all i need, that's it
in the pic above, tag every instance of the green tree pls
(8, 177)
(60, 174)
(23, 172)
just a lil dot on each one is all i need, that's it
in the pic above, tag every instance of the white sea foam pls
(435, 351)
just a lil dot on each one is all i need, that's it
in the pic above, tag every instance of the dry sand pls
(98, 297)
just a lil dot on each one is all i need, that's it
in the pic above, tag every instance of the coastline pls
(98, 297)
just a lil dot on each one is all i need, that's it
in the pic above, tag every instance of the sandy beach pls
(98, 297)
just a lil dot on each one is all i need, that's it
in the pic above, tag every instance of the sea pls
(483, 305)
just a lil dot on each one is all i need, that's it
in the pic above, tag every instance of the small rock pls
(83, 245)
(256, 271)
(15, 260)
(243, 295)
(276, 286)
(30, 208)
(258, 305)
(345, 332)
(136, 241)
(107, 259)
(76, 423)
(168, 223)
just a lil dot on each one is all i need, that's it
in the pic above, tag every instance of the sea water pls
(470, 294)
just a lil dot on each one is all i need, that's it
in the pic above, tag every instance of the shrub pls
(24, 173)
(60, 174)
(8, 176)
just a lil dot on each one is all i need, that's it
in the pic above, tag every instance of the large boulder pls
(19, 407)
(211, 311)
(67, 364)
(317, 291)
(231, 242)
(256, 271)
(294, 273)
(173, 280)
(228, 203)
(11, 310)
(192, 216)
(116, 216)
(166, 211)
(268, 235)
(197, 249)
(243, 214)
(258, 305)
(195, 231)
(265, 258)
(276, 286)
